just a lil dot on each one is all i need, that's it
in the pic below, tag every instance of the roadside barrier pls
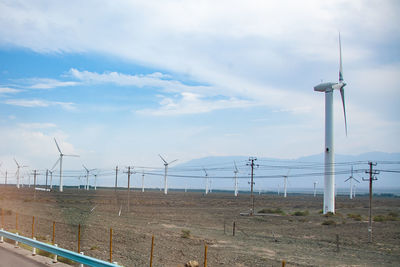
(77, 257)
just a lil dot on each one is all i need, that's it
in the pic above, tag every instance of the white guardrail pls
(58, 251)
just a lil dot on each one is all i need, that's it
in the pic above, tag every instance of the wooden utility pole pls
(252, 165)
(372, 177)
(116, 178)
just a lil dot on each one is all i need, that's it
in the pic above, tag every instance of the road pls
(18, 257)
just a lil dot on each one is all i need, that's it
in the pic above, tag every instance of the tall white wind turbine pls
(236, 180)
(60, 160)
(18, 168)
(351, 186)
(165, 173)
(329, 176)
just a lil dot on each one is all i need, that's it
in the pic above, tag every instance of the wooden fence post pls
(152, 250)
(205, 255)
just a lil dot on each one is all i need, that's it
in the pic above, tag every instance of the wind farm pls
(184, 133)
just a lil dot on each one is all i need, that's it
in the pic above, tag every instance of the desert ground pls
(292, 229)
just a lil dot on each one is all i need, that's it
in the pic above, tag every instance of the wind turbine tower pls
(87, 176)
(285, 184)
(315, 188)
(206, 179)
(236, 180)
(165, 173)
(18, 168)
(60, 160)
(329, 176)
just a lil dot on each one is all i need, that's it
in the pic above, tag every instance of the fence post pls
(33, 248)
(54, 233)
(152, 249)
(81, 264)
(16, 242)
(234, 228)
(55, 255)
(33, 226)
(205, 255)
(79, 238)
(283, 263)
(111, 232)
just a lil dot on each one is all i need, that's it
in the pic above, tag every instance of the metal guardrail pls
(58, 251)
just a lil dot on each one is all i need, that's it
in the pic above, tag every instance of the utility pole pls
(34, 184)
(129, 184)
(252, 165)
(372, 177)
(116, 178)
(47, 176)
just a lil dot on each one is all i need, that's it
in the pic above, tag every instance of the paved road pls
(8, 258)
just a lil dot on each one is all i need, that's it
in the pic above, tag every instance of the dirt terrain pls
(293, 228)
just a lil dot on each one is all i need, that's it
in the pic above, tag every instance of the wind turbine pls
(18, 167)
(285, 177)
(60, 160)
(206, 179)
(236, 180)
(315, 188)
(349, 179)
(165, 174)
(329, 176)
(87, 176)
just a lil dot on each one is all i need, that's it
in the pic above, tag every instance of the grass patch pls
(301, 213)
(329, 214)
(329, 222)
(94, 248)
(356, 217)
(384, 218)
(185, 234)
(272, 211)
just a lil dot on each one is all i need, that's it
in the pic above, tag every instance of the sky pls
(119, 82)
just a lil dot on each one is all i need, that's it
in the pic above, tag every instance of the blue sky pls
(119, 82)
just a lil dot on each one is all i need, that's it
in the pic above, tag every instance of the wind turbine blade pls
(348, 179)
(85, 167)
(356, 180)
(72, 156)
(163, 159)
(173, 161)
(55, 164)
(236, 169)
(340, 66)
(57, 145)
(288, 172)
(344, 107)
(16, 162)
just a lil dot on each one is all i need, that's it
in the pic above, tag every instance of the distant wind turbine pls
(329, 180)
(60, 160)
(87, 176)
(236, 180)
(285, 178)
(206, 180)
(18, 168)
(349, 179)
(165, 173)
(315, 188)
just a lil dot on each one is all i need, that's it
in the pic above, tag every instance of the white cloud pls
(39, 103)
(8, 90)
(190, 103)
(44, 83)
(36, 125)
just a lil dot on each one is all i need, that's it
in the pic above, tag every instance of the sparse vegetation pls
(384, 218)
(329, 222)
(356, 217)
(301, 213)
(94, 248)
(329, 214)
(185, 234)
(272, 211)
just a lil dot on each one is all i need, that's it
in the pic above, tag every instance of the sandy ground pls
(183, 223)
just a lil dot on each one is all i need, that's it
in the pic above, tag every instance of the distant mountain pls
(303, 172)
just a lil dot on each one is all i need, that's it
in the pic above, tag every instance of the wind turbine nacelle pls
(324, 87)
